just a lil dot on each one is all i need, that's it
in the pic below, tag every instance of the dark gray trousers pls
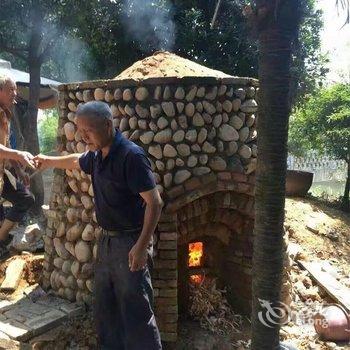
(21, 198)
(123, 299)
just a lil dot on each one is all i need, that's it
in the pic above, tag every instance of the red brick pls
(168, 327)
(168, 236)
(192, 184)
(251, 179)
(243, 187)
(165, 310)
(208, 178)
(239, 177)
(225, 176)
(167, 245)
(167, 226)
(168, 254)
(165, 301)
(168, 292)
(168, 337)
(167, 274)
(165, 264)
(176, 191)
(167, 217)
(164, 284)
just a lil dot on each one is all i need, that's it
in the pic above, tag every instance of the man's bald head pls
(95, 123)
(96, 112)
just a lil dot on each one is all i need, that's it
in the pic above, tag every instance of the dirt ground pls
(322, 232)
(166, 64)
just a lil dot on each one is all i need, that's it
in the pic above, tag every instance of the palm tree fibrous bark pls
(276, 25)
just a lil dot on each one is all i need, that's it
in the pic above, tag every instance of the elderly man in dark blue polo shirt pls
(128, 207)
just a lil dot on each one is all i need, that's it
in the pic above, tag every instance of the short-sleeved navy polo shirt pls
(117, 181)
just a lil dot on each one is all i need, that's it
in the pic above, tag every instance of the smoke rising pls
(75, 63)
(150, 23)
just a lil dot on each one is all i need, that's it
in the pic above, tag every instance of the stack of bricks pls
(200, 136)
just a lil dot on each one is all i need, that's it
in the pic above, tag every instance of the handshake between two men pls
(16, 189)
(41, 162)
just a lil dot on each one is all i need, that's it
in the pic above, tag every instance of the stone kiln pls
(198, 128)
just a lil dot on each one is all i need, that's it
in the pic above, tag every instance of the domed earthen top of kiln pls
(165, 64)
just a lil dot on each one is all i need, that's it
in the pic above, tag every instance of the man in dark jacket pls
(128, 208)
(13, 189)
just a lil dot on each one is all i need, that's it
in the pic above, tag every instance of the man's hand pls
(42, 162)
(137, 258)
(26, 159)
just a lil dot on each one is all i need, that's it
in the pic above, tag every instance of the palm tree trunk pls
(346, 200)
(277, 24)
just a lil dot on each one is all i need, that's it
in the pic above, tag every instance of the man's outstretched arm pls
(25, 158)
(70, 161)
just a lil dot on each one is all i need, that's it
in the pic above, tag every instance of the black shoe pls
(8, 240)
(4, 252)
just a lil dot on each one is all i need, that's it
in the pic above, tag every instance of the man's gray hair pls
(4, 79)
(95, 110)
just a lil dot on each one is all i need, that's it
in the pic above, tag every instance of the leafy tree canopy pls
(47, 130)
(323, 123)
(99, 38)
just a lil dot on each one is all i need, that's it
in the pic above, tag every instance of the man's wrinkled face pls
(8, 94)
(95, 134)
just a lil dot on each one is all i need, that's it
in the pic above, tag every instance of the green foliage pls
(228, 46)
(309, 64)
(47, 130)
(117, 35)
(25, 25)
(100, 38)
(323, 123)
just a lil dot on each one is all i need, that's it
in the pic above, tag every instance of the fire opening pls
(195, 254)
(195, 257)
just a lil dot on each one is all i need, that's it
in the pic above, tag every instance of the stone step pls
(24, 319)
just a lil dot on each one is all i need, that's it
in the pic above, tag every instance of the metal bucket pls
(333, 323)
(298, 182)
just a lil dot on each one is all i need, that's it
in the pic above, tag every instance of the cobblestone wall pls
(200, 135)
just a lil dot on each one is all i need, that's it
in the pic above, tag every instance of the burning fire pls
(195, 254)
(196, 279)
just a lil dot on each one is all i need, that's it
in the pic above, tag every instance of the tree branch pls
(345, 6)
(15, 51)
(46, 51)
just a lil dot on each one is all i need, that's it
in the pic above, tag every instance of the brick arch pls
(223, 220)
(220, 214)
(230, 197)
(217, 230)
(193, 189)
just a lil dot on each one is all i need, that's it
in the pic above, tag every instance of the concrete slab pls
(43, 323)
(15, 330)
(24, 319)
(5, 305)
(72, 310)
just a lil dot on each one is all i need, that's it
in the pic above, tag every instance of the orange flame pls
(196, 279)
(195, 254)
